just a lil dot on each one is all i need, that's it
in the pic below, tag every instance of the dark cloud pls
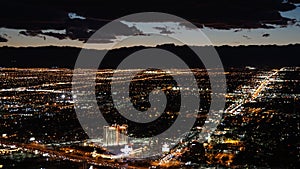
(295, 1)
(36, 33)
(265, 35)
(100, 41)
(59, 36)
(237, 30)
(2, 39)
(31, 32)
(247, 37)
(82, 33)
(35, 15)
(116, 29)
(188, 26)
(164, 30)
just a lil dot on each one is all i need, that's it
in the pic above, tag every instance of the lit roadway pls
(165, 161)
(233, 108)
(263, 84)
(42, 149)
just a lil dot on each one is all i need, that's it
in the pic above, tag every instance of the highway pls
(234, 109)
(42, 149)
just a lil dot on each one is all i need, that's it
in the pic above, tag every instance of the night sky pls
(72, 22)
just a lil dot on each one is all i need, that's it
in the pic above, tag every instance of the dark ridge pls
(65, 57)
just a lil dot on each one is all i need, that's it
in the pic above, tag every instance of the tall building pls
(115, 135)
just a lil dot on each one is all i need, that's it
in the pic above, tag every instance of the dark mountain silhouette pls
(240, 56)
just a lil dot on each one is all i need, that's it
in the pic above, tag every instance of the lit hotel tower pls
(115, 135)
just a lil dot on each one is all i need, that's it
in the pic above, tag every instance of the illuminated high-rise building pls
(115, 135)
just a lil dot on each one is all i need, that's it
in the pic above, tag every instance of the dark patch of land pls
(65, 57)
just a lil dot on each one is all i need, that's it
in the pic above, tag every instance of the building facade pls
(115, 135)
